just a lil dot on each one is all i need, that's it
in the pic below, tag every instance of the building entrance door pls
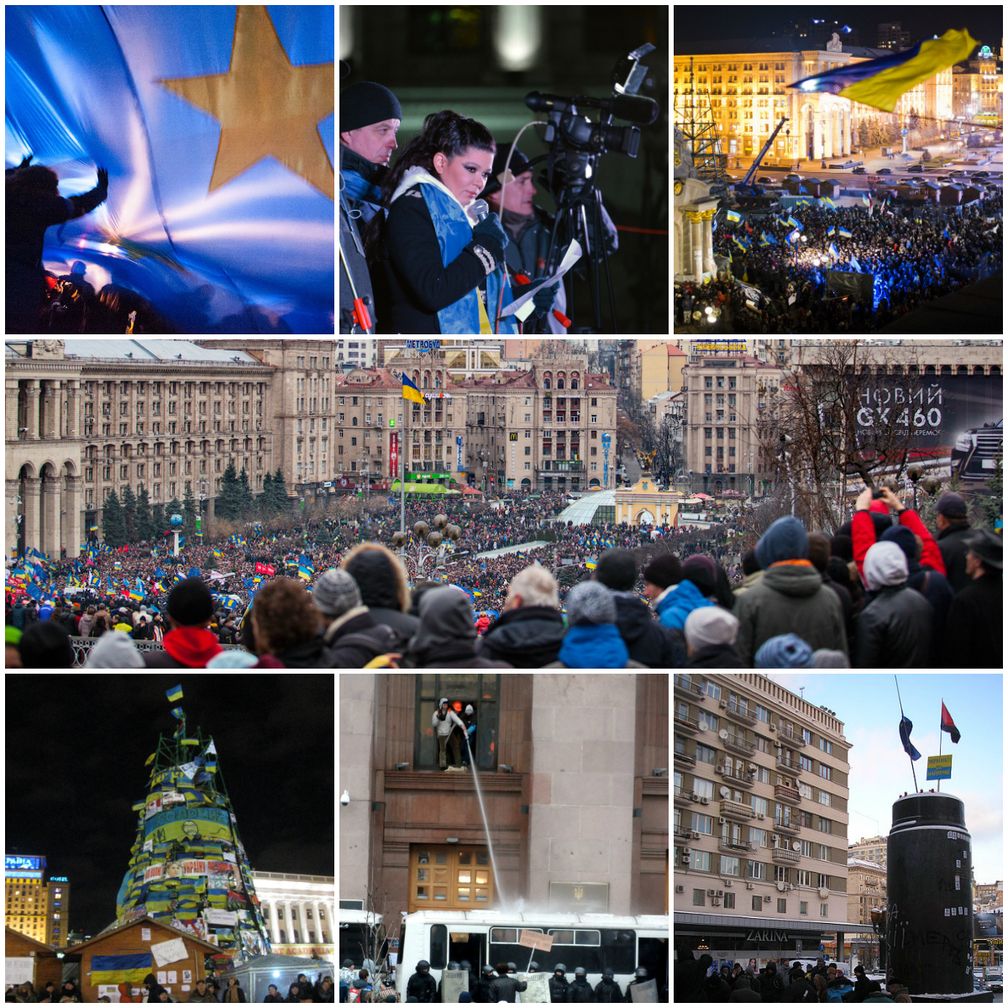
(450, 878)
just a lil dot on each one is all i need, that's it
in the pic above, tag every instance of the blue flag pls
(217, 127)
(905, 727)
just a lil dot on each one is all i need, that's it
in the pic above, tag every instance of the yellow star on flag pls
(266, 106)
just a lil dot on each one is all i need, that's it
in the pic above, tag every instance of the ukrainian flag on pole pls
(733, 216)
(881, 82)
(411, 392)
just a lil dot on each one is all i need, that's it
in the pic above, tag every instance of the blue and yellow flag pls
(844, 233)
(178, 713)
(174, 694)
(217, 126)
(117, 969)
(411, 392)
(881, 82)
(733, 216)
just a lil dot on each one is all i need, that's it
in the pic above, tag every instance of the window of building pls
(804, 762)
(826, 746)
(702, 823)
(698, 897)
(823, 852)
(803, 877)
(802, 908)
(759, 805)
(450, 877)
(703, 788)
(824, 798)
(480, 690)
(762, 714)
(781, 905)
(755, 870)
(729, 901)
(825, 826)
(708, 721)
(730, 866)
(704, 754)
(806, 736)
(700, 860)
(780, 873)
(757, 837)
(824, 910)
(757, 904)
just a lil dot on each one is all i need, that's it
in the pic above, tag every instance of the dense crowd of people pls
(884, 591)
(916, 252)
(701, 980)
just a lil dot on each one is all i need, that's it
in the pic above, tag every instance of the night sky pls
(75, 750)
(695, 23)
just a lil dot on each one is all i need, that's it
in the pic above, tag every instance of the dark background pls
(437, 58)
(75, 751)
(695, 23)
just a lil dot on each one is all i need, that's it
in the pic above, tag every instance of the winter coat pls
(423, 987)
(677, 604)
(184, 647)
(580, 992)
(790, 598)
(608, 992)
(558, 988)
(312, 653)
(951, 542)
(446, 636)
(528, 637)
(647, 640)
(894, 630)
(504, 988)
(403, 624)
(747, 582)
(593, 645)
(974, 627)
(352, 250)
(355, 641)
(715, 656)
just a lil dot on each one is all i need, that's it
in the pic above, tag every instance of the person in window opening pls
(435, 269)
(469, 750)
(448, 727)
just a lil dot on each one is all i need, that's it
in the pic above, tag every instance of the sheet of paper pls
(168, 952)
(517, 307)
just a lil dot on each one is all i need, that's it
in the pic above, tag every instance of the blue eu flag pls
(217, 127)
(905, 727)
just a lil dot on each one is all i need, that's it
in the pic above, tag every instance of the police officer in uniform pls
(421, 985)
(640, 976)
(481, 989)
(369, 119)
(580, 991)
(559, 985)
(607, 991)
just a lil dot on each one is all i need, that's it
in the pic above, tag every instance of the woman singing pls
(435, 270)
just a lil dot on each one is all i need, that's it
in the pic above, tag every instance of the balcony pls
(734, 847)
(683, 759)
(683, 833)
(743, 781)
(738, 744)
(739, 714)
(686, 724)
(790, 739)
(688, 688)
(787, 794)
(787, 765)
(736, 810)
(784, 855)
(787, 826)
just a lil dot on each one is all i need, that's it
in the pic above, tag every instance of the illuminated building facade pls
(35, 905)
(748, 90)
(299, 912)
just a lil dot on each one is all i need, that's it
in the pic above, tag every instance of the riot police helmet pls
(607, 973)
(452, 965)
(423, 966)
(641, 973)
(488, 970)
(559, 968)
(512, 968)
(579, 971)
(533, 967)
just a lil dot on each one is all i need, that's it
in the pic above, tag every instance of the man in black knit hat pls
(370, 117)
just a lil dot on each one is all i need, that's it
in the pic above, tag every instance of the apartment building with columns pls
(299, 911)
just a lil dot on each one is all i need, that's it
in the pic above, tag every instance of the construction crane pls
(759, 157)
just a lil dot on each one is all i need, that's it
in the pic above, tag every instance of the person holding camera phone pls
(439, 269)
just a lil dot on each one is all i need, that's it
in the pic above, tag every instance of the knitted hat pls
(986, 546)
(885, 564)
(114, 649)
(518, 165)
(784, 651)
(786, 539)
(365, 103)
(590, 602)
(336, 592)
(710, 625)
(952, 505)
(702, 571)
(617, 570)
(189, 603)
(232, 658)
(903, 538)
(663, 570)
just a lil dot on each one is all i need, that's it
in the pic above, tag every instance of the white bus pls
(594, 941)
(361, 936)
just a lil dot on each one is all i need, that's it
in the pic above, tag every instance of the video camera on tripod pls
(576, 143)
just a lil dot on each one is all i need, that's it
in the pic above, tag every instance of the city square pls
(423, 503)
(838, 170)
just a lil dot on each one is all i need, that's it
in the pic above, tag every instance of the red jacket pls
(863, 538)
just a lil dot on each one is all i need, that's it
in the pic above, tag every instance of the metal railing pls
(82, 648)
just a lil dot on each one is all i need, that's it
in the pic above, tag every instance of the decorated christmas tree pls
(188, 866)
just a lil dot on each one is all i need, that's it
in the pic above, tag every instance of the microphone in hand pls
(489, 233)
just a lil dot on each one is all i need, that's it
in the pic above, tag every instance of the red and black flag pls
(947, 724)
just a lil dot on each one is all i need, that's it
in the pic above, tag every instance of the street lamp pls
(428, 544)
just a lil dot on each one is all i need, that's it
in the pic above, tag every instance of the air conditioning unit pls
(772, 728)
(720, 892)
(766, 899)
(728, 883)
(680, 888)
(712, 892)
(694, 835)
(791, 887)
(723, 705)
(694, 797)
(705, 801)
(748, 885)
(715, 901)
(685, 859)
(761, 817)
(721, 820)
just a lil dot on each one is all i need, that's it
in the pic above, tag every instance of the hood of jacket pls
(797, 580)
(593, 645)
(446, 624)
(529, 628)
(678, 604)
(192, 646)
